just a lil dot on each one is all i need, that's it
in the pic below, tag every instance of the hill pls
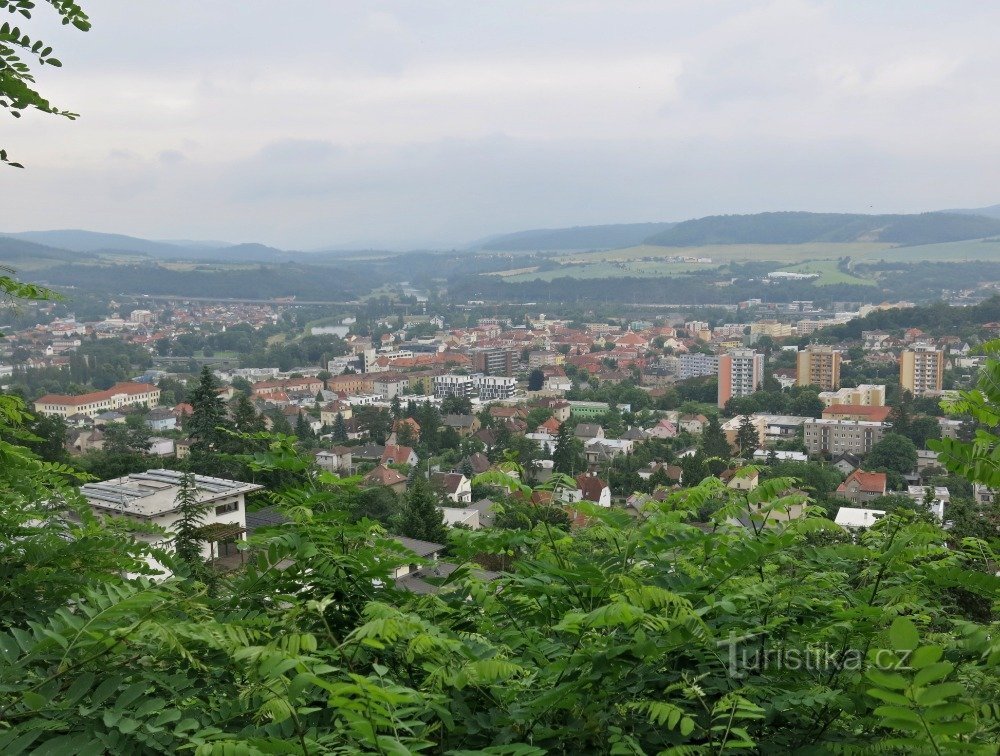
(993, 211)
(576, 238)
(25, 255)
(77, 240)
(804, 228)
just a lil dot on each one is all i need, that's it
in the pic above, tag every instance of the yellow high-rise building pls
(921, 370)
(818, 366)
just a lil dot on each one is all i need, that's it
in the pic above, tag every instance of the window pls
(232, 506)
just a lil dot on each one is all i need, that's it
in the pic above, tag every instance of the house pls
(432, 578)
(764, 455)
(935, 498)
(182, 448)
(739, 480)
(635, 435)
(594, 489)
(847, 462)
(476, 464)
(693, 424)
(84, 440)
(587, 431)
(601, 450)
(854, 518)
(463, 517)
(160, 419)
(368, 453)
(487, 513)
(337, 459)
(550, 426)
(412, 430)
(394, 454)
(328, 412)
(464, 425)
(421, 549)
(384, 476)
(673, 472)
(663, 429)
(152, 498)
(857, 412)
(862, 486)
(161, 447)
(454, 486)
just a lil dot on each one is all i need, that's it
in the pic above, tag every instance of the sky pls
(315, 124)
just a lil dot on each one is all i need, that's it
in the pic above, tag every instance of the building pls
(494, 361)
(93, 404)
(865, 395)
(861, 486)
(389, 386)
(741, 372)
(731, 429)
(876, 414)
(455, 487)
(594, 490)
(853, 518)
(141, 317)
(935, 498)
(696, 365)
(921, 370)
(494, 388)
(453, 385)
(838, 436)
(151, 498)
(818, 366)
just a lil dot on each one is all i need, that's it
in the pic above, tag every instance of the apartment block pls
(818, 366)
(696, 364)
(494, 388)
(494, 361)
(453, 385)
(835, 437)
(921, 370)
(741, 372)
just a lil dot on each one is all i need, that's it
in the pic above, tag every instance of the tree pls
(245, 418)
(536, 379)
(747, 438)
(895, 453)
(303, 431)
(208, 413)
(375, 421)
(567, 457)
(713, 440)
(339, 432)
(455, 405)
(377, 503)
(129, 438)
(187, 538)
(901, 414)
(421, 517)
(923, 429)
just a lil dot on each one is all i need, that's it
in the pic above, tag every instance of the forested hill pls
(803, 228)
(578, 237)
(17, 253)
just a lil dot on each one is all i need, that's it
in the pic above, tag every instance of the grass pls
(610, 269)
(962, 251)
(829, 273)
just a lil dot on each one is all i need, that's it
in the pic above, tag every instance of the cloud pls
(439, 122)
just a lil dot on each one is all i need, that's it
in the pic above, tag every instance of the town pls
(618, 412)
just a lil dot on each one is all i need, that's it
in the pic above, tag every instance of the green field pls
(611, 269)
(829, 273)
(963, 251)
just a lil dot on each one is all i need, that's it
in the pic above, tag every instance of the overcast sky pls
(311, 123)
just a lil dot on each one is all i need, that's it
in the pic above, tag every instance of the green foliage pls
(895, 453)
(208, 413)
(420, 516)
(17, 82)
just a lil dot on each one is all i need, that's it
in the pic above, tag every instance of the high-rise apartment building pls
(921, 370)
(818, 366)
(494, 361)
(741, 372)
(697, 364)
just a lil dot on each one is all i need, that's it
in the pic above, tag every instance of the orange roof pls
(396, 455)
(131, 388)
(874, 414)
(869, 482)
(383, 476)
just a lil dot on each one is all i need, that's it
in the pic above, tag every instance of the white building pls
(858, 517)
(494, 388)
(696, 364)
(151, 498)
(453, 385)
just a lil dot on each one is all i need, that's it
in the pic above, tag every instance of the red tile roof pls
(869, 482)
(864, 412)
(130, 388)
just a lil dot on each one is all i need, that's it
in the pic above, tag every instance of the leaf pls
(932, 672)
(885, 679)
(925, 655)
(939, 692)
(903, 634)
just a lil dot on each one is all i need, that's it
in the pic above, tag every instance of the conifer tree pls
(187, 539)
(747, 437)
(208, 412)
(421, 517)
(339, 429)
(713, 440)
(566, 457)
